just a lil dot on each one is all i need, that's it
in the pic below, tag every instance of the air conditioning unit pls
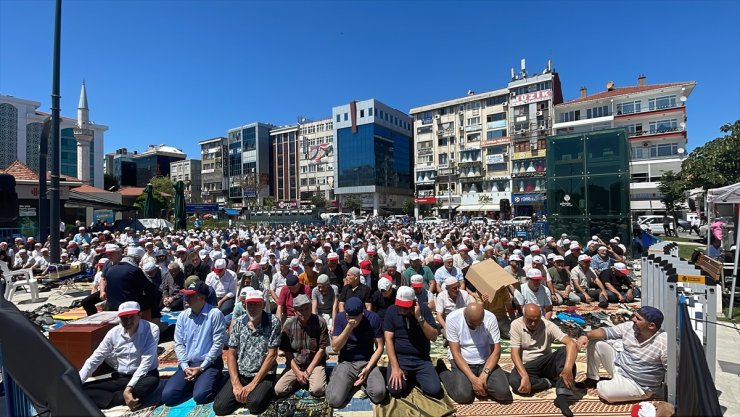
(436, 116)
(461, 113)
(505, 153)
(513, 94)
(539, 112)
(505, 103)
(533, 147)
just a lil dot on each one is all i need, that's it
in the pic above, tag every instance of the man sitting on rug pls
(253, 344)
(449, 300)
(409, 330)
(534, 292)
(131, 349)
(200, 334)
(303, 340)
(638, 369)
(355, 331)
(535, 364)
(475, 348)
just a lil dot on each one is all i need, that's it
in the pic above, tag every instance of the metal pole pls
(43, 197)
(54, 213)
(734, 271)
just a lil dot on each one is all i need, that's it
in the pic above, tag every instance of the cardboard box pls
(489, 277)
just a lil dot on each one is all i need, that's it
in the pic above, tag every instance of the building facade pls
(189, 172)
(284, 161)
(214, 155)
(374, 165)
(461, 154)
(316, 159)
(249, 156)
(21, 125)
(655, 119)
(532, 98)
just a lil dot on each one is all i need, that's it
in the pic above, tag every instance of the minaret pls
(84, 136)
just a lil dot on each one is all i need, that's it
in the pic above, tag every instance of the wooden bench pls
(711, 266)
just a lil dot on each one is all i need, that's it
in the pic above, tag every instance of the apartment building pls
(655, 119)
(316, 159)
(214, 169)
(284, 165)
(189, 172)
(249, 156)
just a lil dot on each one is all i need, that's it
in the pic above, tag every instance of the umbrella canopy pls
(180, 220)
(149, 202)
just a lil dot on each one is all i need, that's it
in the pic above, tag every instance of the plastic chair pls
(29, 283)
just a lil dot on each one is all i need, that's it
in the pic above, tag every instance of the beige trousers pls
(619, 388)
(316, 382)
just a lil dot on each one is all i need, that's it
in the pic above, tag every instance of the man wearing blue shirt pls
(200, 334)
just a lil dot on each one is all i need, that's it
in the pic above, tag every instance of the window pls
(664, 126)
(362, 113)
(662, 103)
(425, 159)
(628, 107)
(346, 117)
(594, 112)
(493, 134)
(370, 111)
(442, 159)
(473, 121)
(634, 129)
(473, 106)
(493, 101)
(495, 117)
(475, 137)
(521, 110)
(339, 118)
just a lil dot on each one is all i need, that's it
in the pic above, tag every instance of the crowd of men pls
(359, 292)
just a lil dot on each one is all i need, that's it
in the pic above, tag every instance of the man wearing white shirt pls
(86, 255)
(223, 282)
(475, 349)
(131, 349)
(451, 299)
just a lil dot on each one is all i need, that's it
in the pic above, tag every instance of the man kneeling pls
(253, 344)
(131, 348)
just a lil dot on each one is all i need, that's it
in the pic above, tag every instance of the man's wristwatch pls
(420, 319)
(486, 371)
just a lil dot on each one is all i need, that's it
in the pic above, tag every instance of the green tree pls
(111, 181)
(716, 163)
(352, 204)
(269, 202)
(159, 202)
(408, 207)
(318, 200)
(673, 189)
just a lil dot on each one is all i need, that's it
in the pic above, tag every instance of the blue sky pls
(177, 72)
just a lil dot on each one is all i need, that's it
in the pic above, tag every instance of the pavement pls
(727, 376)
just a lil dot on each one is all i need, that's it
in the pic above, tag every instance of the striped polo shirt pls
(646, 362)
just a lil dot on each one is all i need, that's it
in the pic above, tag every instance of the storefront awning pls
(490, 207)
(453, 207)
(642, 205)
(468, 208)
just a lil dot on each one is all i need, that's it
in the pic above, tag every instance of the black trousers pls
(460, 389)
(257, 401)
(108, 392)
(88, 303)
(546, 367)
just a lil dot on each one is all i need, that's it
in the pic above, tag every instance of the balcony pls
(624, 114)
(426, 176)
(656, 132)
(424, 151)
(473, 128)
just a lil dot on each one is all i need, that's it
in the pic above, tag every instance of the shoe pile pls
(42, 318)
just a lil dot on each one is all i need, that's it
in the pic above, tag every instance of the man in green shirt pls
(415, 268)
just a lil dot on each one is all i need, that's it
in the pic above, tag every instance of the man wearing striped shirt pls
(638, 369)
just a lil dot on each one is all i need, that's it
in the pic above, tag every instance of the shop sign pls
(528, 154)
(528, 198)
(425, 200)
(497, 158)
(26, 211)
(531, 97)
(498, 141)
(566, 201)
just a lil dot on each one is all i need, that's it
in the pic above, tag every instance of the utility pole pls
(54, 213)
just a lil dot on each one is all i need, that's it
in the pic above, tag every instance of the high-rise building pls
(249, 155)
(461, 154)
(284, 161)
(374, 144)
(655, 119)
(137, 169)
(21, 125)
(316, 159)
(531, 110)
(188, 171)
(214, 169)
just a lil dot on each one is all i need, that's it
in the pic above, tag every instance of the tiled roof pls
(131, 191)
(88, 189)
(22, 172)
(619, 91)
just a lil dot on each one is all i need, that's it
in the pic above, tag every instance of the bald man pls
(474, 351)
(535, 364)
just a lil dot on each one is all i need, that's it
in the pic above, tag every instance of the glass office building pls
(374, 147)
(588, 185)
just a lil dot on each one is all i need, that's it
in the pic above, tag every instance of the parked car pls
(478, 221)
(431, 220)
(358, 220)
(655, 223)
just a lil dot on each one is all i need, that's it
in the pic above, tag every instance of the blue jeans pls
(203, 390)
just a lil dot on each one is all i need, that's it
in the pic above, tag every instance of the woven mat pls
(73, 314)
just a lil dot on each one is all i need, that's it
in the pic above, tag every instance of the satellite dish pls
(681, 151)
(683, 125)
(683, 98)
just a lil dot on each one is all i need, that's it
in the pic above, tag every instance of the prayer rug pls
(73, 314)
(414, 405)
(123, 411)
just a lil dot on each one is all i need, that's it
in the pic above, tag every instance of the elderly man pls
(251, 359)
(446, 271)
(353, 288)
(285, 302)
(173, 282)
(279, 279)
(200, 334)
(417, 268)
(449, 300)
(586, 283)
(325, 299)
(131, 349)
(358, 337)
(475, 348)
(619, 287)
(638, 368)
(127, 282)
(533, 292)
(223, 282)
(304, 339)
(535, 364)
(409, 330)
(560, 286)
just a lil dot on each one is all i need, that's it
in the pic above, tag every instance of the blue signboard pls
(201, 208)
(528, 198)
(250, 193)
